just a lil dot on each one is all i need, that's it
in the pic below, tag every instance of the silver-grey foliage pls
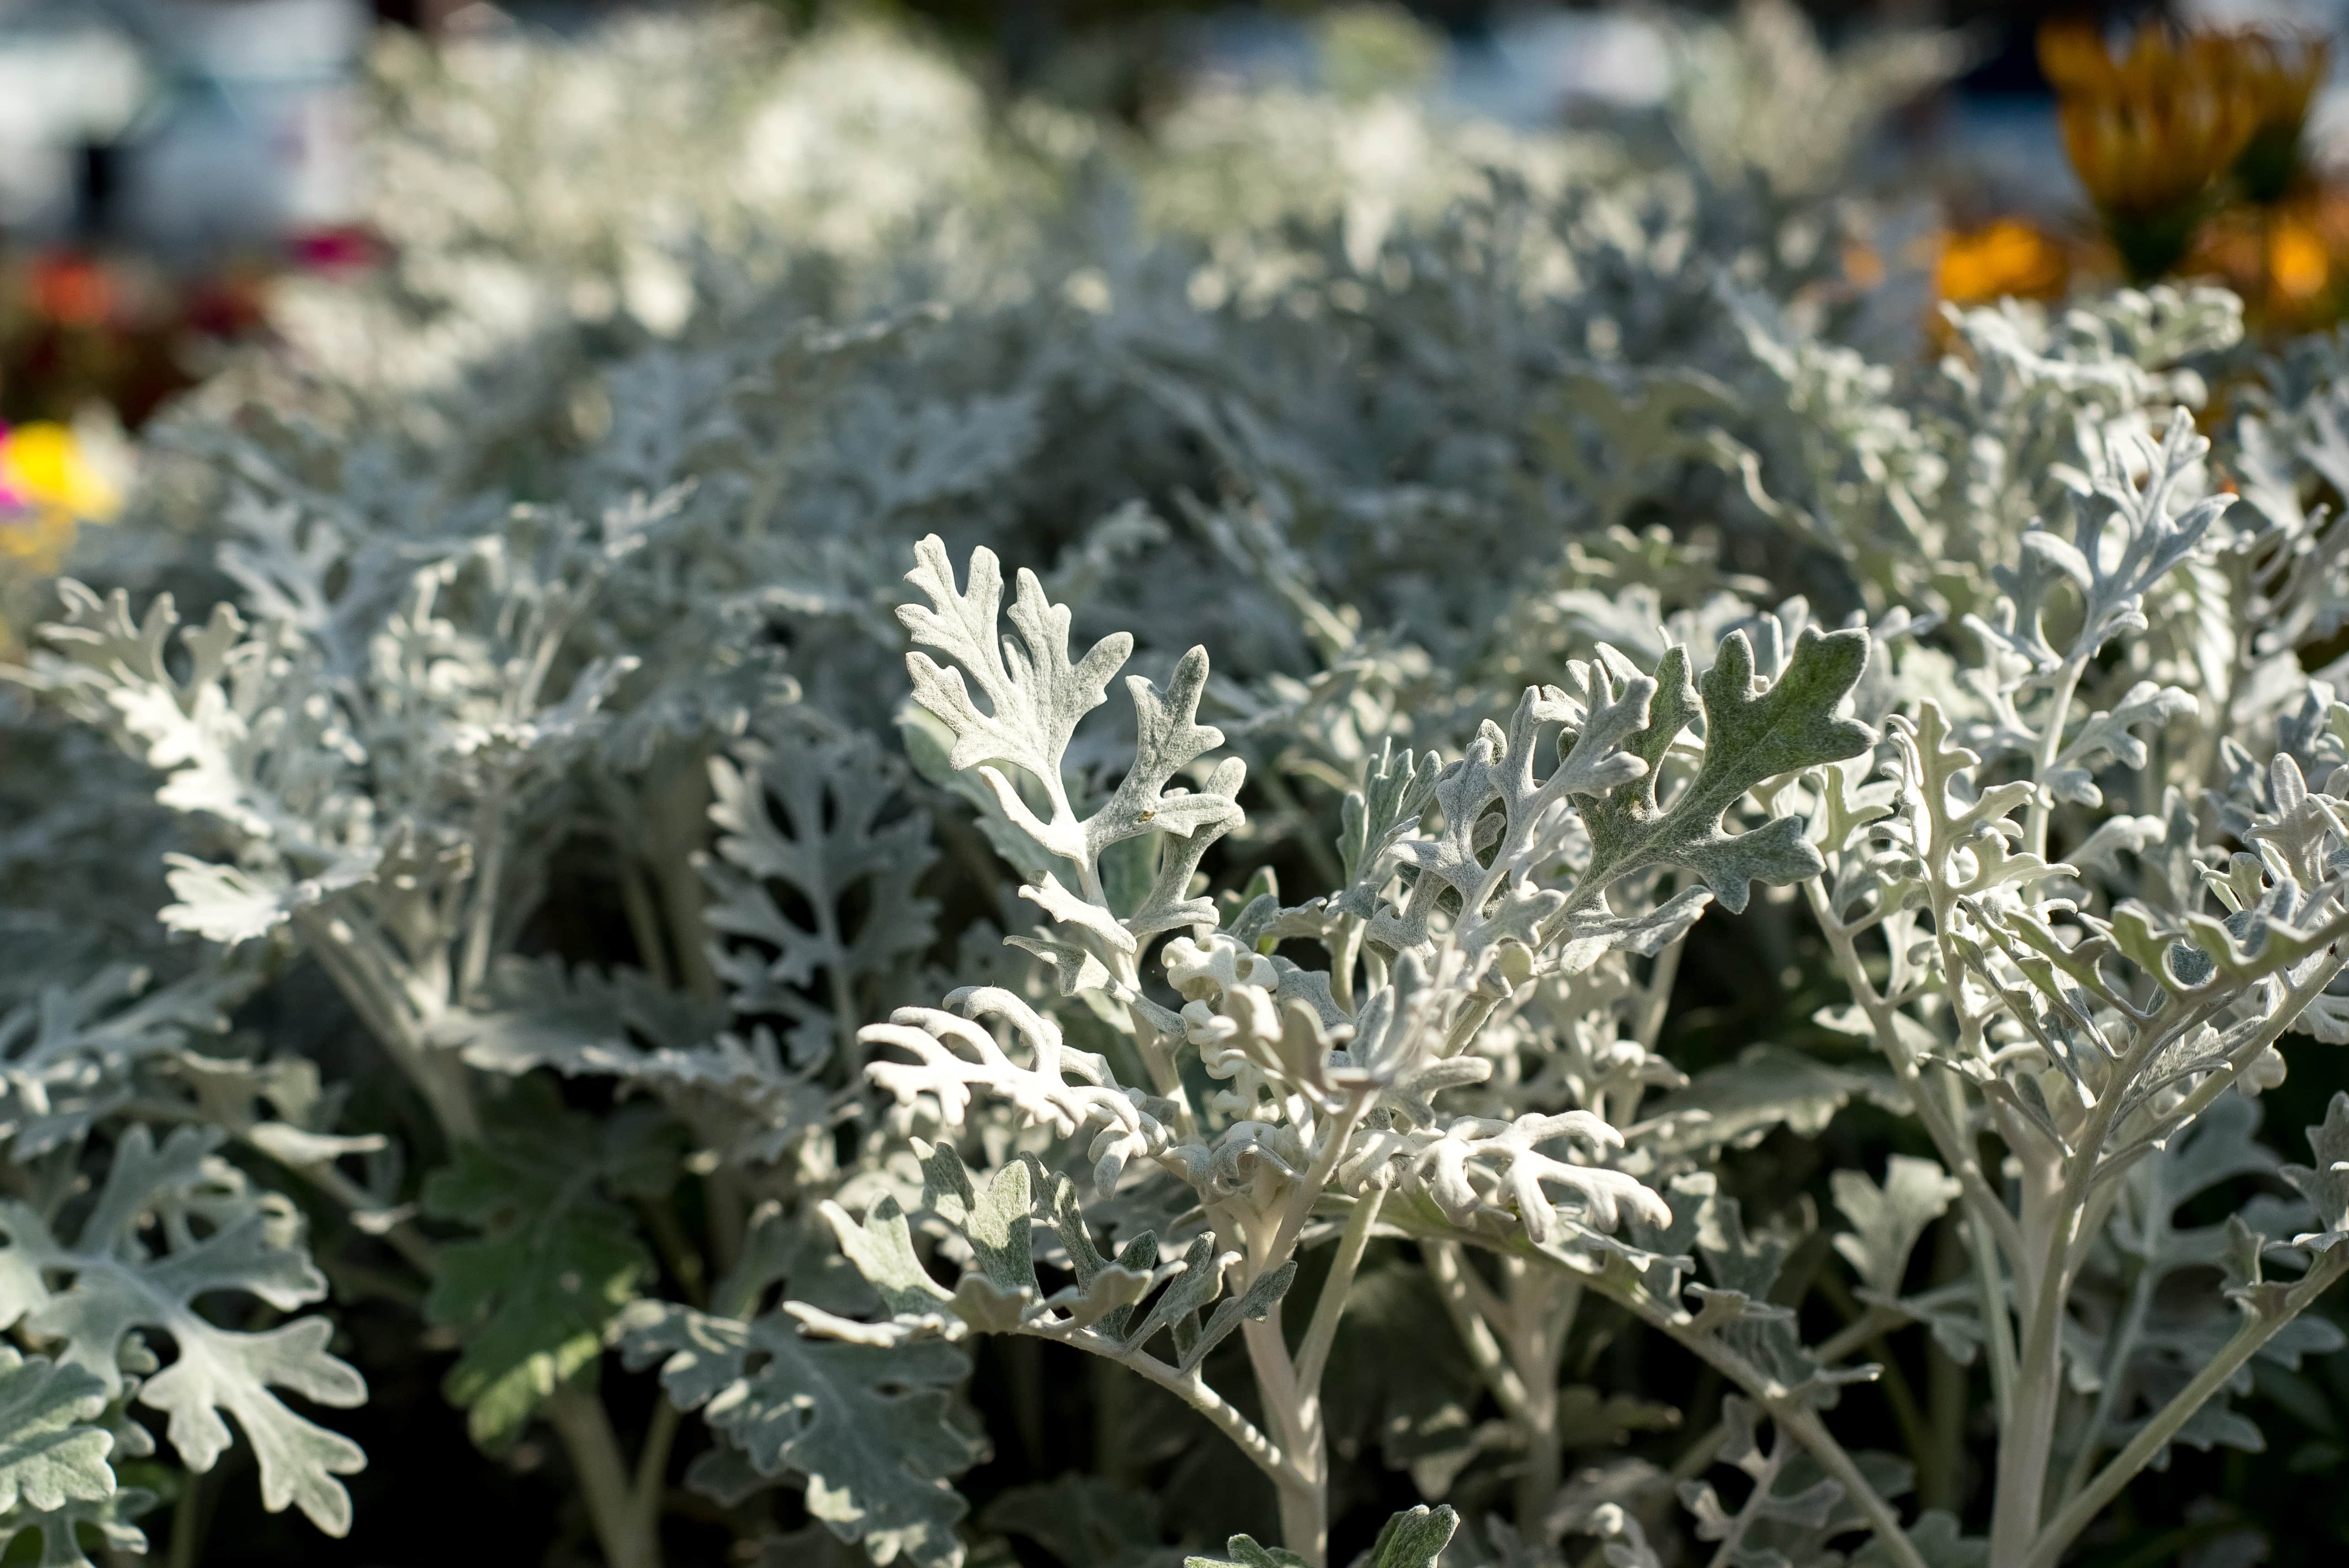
(1506, 568)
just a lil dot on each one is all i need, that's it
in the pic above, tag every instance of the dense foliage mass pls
(1671, 950)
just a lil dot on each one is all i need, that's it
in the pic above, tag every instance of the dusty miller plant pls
(744, 1016)
(2089, 1037)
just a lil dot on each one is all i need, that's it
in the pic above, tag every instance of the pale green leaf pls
(1887, 1221)
(536, 1293)
(1084, 1520)
(50, 1453)
(867, 1427)
(1414, 1538)
(116, 1285)
(1750, 736)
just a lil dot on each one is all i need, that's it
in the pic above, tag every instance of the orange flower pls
(2275, 77)
(2150, 134)
(2072, 59)
(2155, 132)
(2299, 266)
(2007, 257)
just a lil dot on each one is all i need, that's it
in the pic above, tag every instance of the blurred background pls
(163, 162)
(380, 197)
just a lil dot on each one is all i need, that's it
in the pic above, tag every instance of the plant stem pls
(2117, 1360)
(2048, 1548)
(1260, 1450)
(1734, 1541)
(1342, 959)
(403, 1238)
(1448, 1268)
(1313, 1355)
(438, 1074)
(1657, 999)
(844, 1011)
(489, 878)
(1024, 1374)
(1981, 1247)
(2050, 744)
(1308, 1192)
(1869, 1328)
(2054, 1210)
(1803, 1423)
(1697, 1457)
(1290, 1390)
(1295, 1413)
(2025, 1438)
(1111, 1414)
(627, 1538)
(1988, 1226)
(188, 1518)
(1541, 1313)
(1788, 1408)
(652, 1465)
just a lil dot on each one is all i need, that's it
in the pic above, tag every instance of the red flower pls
(72, 290)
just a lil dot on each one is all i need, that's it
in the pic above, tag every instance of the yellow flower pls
(2006, 257)
(48, 487)
(42, 464)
